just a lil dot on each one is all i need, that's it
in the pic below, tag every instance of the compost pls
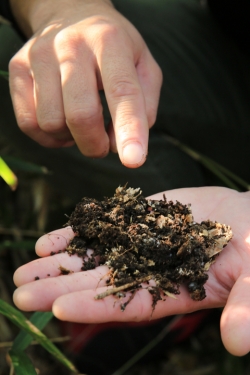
(146, 244)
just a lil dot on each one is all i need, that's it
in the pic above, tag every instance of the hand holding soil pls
(72, 295)
(141, 240)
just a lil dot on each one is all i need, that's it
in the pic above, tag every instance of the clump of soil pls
(141, 240)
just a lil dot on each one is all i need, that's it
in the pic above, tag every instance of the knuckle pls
(25, 122)
(16, 65)
(61, 38)
(102, 28)
(67, 40)
(51, 125)
(109, 31)
(39, 50)
(83, 116)
(123, 88)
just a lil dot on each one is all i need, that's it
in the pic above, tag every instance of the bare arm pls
(32, 14)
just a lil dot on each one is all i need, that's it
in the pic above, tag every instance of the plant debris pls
(141, 239)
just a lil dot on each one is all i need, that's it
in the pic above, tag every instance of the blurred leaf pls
(20, 321)
(21, 363)
(7, 174)
(26, 245)
(23, 339)
(25, 166)
(4, 74)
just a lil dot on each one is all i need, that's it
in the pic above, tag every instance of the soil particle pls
(64, 271)
(141, 240)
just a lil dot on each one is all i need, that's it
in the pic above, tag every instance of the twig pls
(123, 287)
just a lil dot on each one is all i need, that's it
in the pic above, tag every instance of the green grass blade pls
(21, 363)
(25, 166)
(7, 174)
(225, 175)
(153, 343)
(230, 174)
(23, 339)
(4, 74)
(20, 321)
(217, 172)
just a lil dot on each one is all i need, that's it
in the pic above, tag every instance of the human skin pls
(71, 297)
(77, 48)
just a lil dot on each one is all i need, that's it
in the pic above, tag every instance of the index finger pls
(126, 103)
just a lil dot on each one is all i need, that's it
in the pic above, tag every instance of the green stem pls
(148, 347)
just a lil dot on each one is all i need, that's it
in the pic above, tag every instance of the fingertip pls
(17, 278)
(80, 307)
(27, 273)
(54, 241)
(16, 298)
(235, 328)
(40, 245)
(133, 155)
(59, 310)
(22, 299)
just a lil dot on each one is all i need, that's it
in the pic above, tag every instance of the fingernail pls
(133, 154)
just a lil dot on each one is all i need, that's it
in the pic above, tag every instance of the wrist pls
(31, 15)
(20, 10)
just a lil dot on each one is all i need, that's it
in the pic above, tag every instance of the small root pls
(108, 292)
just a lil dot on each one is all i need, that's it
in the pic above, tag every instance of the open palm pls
(71, 297)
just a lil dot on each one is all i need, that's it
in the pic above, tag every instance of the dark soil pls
(141, 240)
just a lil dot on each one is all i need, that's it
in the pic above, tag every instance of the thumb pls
(235, 319)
